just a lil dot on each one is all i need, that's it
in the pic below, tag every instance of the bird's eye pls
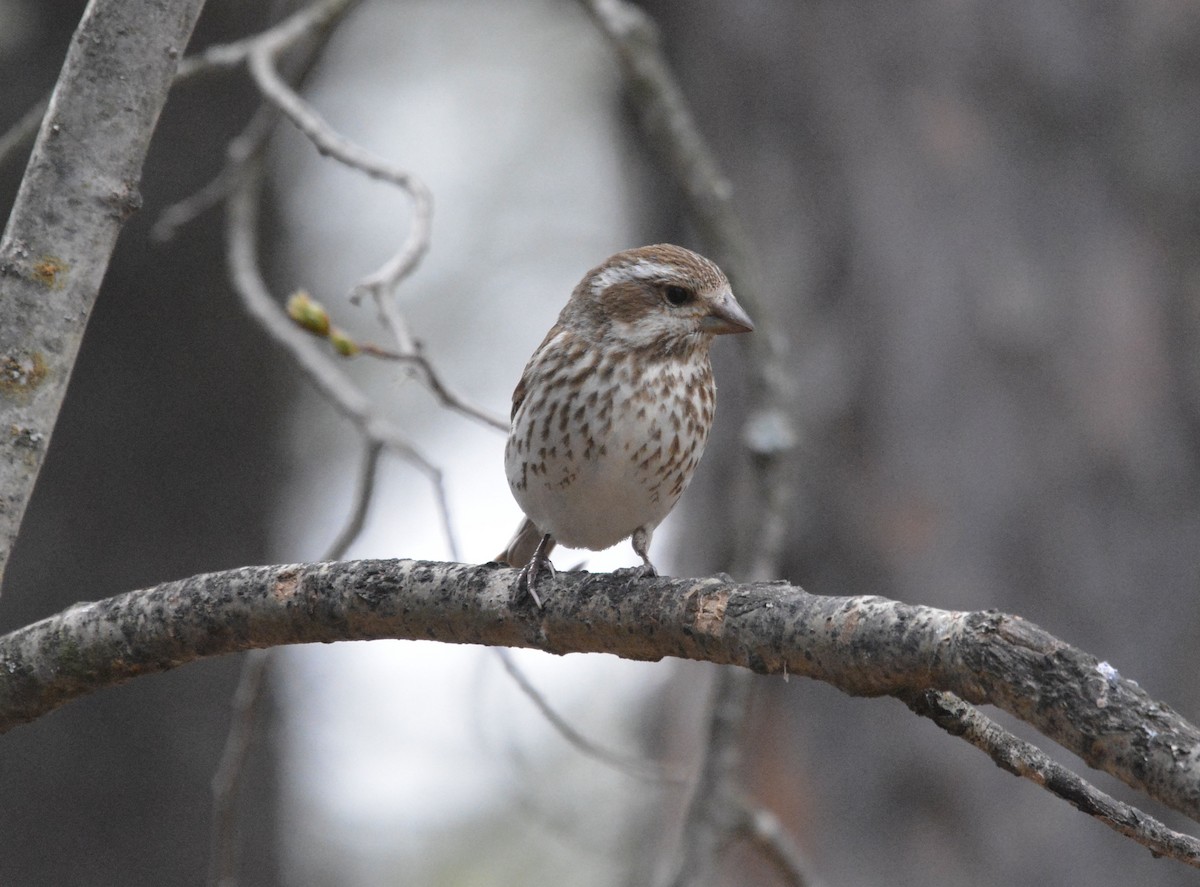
(678, 295)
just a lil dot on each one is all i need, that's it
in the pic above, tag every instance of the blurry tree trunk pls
(980, 221)
(164, 463)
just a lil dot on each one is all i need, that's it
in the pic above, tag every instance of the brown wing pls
(523, 386)
(518, 395)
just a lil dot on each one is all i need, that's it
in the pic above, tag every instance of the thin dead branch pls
(763, 830)
(245, 714)
(630, 765)
(711, 816)
(1028, 761)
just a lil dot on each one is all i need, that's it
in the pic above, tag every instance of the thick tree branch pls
(80, 186)
(865, 646)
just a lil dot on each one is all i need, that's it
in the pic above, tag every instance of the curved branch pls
(261, 61)
(763, 830)
(629, 764)
(381, 285)
(865, 646)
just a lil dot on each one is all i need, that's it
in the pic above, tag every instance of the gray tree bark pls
(80, 186)
(163, 464)
(864, 646)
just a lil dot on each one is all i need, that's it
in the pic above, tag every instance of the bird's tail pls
(520, 550)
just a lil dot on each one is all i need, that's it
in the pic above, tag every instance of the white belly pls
(591, 482)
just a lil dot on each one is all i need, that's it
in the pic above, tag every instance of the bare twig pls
(766, 833)
(670, 129)
(334, 385)
(1021, 758)
(262, 60)
(315, 20)
(337, 388)
(311, 315)
(262, 57)
(416, 361)
(446, 397)
(443, 509)
(368, 471)
(630, 765)
(22, 132)
(246, 145)
(307, 22)
(711, 819)
(315, 24)
(226, 782)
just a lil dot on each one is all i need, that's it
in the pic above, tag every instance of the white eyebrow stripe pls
(642, 269)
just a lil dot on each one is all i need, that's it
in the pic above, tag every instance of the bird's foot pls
(641, 546)
(535, 570)
(643, 571)
(532, 575)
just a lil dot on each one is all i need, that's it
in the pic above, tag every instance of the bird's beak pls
(727, 316)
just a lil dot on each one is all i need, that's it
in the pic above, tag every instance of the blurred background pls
(976, 229)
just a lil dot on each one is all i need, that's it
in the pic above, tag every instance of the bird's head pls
(655, 297)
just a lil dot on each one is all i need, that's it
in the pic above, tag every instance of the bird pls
(612, 412)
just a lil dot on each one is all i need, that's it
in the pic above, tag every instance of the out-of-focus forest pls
(980, 223)
(976, 226)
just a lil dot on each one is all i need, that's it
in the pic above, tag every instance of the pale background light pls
(510, 114)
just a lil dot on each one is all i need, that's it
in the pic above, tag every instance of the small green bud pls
(308, 312)
(342, 343)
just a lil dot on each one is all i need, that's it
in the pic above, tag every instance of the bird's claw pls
(642, 571)
(531, 576)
